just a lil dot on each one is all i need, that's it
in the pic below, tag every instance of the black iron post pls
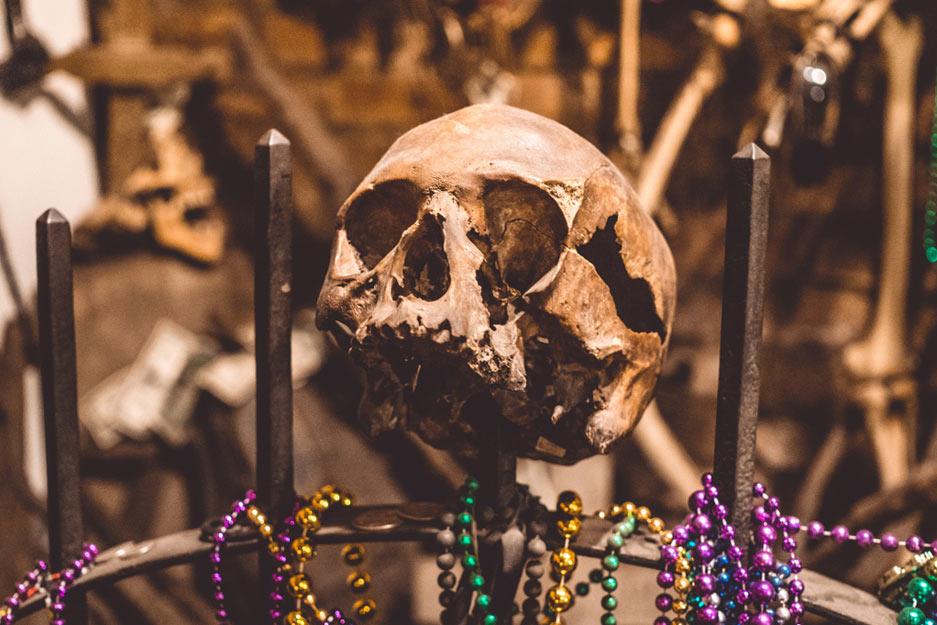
(742, 307)
(59, 396)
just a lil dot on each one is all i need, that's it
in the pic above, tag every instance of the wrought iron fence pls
(736, 418)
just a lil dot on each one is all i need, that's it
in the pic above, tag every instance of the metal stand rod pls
(742, 307)
(59, 397)
(272, 328)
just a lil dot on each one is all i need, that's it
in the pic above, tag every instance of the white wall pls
(43, 160)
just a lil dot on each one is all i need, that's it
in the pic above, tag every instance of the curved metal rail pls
(417, 522)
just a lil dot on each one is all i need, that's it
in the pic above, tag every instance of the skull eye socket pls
(377, 217)
(526, 228)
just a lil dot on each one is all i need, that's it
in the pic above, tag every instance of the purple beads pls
(765, 535)
(665, 579)
(914, 544)
(815, 529)
(663, 602)
(864, 538)
(889, 542)
(840, 533)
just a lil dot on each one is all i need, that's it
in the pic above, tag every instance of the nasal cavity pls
(425, 267)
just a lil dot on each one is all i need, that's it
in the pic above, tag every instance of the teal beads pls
(610, 583)
(626, 527)
(609, 619)
(609, 602)
(490, 619)
(920, 590)
(911, 616)
(615, 540)
(469, 560)
(582, 589)
(477, 581)
(464, 519)
(610, 562)
(484, 601)
(595, 576)
(465, 540)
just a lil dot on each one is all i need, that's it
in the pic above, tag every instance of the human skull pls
(495, 255)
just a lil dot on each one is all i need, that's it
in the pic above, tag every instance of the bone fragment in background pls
(629, 84)
(879, 363)
(708, 74)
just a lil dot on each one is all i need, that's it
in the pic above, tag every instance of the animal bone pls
(879, 363)
(493, 254)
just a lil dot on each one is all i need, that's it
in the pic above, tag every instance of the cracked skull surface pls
(496, 270)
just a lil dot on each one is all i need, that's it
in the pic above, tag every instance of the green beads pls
(471, 484)
(911, 616)
(582, 589)
(610, 583)
(609, 602)
(469, 560)
(477, 581)
(615, 541)
(919, 590)
(464, 519)
(465, 540)
(609, 619)
(626, 527)
(484, 601)
(490, 619)
(596, 575)
(468, 499)
(610, 562)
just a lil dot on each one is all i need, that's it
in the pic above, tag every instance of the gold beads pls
(320, 502)
(303, 550)
(642, 513)
(359, 581)
(614, 511)
(682, 585)
(682, 566)
(666, 538)
(364, 608)
(309, 600)
(308, 519)
(678, 621)
(322, 615)
(679, 606)
(568, 528)
(266, 530)
(628, 508)
(656, 525)
(559, 599)
(563, 561)
(353, 554)
(256, 516)
(299, 585)
(569, 503)
(295, 618)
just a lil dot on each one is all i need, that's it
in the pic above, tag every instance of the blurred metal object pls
(28, 60)
(892, 587)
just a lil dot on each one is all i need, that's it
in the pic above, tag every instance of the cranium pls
(493, 254)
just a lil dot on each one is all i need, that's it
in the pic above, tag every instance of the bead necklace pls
(55, 586)
(909, 588)
(625, 518)
(467, 544)
(786, 587)
(930, 217)
(704, 565)
(291, 552)
(563, 560)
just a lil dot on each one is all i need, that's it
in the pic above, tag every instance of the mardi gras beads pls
(563, 560)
